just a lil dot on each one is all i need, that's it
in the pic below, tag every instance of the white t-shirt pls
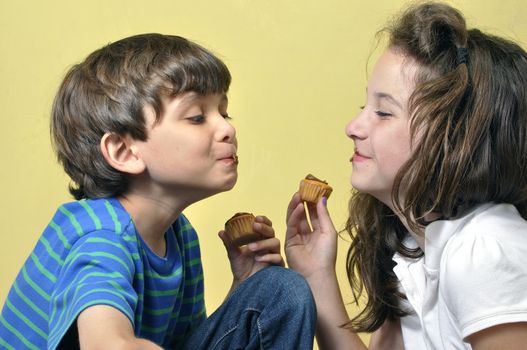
(473, 276)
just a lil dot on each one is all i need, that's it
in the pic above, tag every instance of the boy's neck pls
(152, 217)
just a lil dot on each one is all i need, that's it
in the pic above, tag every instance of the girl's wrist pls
(322, 277)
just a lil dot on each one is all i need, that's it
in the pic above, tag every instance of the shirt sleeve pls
(99, 270)
(485, 280)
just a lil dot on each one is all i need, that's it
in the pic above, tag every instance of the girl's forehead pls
(394, 74)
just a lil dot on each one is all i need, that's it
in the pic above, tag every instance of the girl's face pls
(381, 131)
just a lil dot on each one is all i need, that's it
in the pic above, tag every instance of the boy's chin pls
(230, 185)
(226, 186)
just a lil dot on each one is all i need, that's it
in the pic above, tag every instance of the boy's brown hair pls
(107, 93)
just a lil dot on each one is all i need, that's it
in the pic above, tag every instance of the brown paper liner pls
(312, 191)
(240, 230)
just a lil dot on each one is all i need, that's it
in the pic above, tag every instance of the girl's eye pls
(226, 116)
(382, 114)
(197, 119)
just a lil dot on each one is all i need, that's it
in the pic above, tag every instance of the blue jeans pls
(273, 309)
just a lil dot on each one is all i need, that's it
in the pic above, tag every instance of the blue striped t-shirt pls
(91, 254)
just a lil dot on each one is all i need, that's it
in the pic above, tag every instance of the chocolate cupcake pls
(312, 189)
(239, 228)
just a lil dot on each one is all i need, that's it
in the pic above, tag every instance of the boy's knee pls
(288, 285)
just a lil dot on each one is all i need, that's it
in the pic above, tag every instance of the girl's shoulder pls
(495, 222)
(482, 273)
(491, 242)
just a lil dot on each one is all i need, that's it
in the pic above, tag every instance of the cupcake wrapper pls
(312, 192)
(240, 231)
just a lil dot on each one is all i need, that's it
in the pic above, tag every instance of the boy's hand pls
(249, 259)
(310, 252)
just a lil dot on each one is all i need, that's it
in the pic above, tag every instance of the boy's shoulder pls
(88, 215)
(184, 231)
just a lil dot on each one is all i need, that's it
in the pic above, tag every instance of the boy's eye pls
(226, 116)
(197, 119)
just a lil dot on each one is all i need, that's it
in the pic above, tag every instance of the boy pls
(141, 127)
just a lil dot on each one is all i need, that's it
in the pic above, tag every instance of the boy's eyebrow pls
(190, 97)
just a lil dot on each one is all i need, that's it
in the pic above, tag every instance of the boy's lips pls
(231, 159)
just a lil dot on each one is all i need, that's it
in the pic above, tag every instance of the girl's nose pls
(356, 127)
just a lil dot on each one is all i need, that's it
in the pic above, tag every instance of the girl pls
(437, 219)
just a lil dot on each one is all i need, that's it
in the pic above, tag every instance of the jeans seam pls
(230, 330)
(258, 325)
(260, 333)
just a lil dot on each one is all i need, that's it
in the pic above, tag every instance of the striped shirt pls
(91, 254)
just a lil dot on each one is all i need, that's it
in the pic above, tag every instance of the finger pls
(274, 259)
(231, 248)
(313, 215)
(263, 229)
(297, 215)
(297, 222)
(266, 245)
(264, 220)
(323, 218)
(295, 200)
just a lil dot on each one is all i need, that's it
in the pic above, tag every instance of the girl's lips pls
(357, 157)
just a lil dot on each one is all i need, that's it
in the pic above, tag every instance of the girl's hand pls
(310, 252)
(251, 258)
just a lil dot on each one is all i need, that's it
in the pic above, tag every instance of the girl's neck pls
(420, 235)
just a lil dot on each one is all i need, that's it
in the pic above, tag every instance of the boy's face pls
(191, 150)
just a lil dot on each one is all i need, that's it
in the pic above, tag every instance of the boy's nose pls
(226, 132)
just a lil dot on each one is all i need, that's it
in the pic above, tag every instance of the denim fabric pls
(273, 309)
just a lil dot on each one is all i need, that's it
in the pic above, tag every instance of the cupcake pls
(312, 189)
(239, 228)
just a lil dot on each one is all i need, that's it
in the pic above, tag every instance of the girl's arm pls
(312, 253)
(508, 336)
(332, 314)
(388, 337)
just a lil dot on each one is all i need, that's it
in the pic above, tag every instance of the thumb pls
(231, 248)
(324, 219)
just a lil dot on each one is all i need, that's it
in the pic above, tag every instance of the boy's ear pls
(120, 153)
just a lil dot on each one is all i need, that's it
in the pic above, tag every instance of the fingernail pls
(324, 201)
(252, 246)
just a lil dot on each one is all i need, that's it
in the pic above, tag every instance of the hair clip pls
(462, 56)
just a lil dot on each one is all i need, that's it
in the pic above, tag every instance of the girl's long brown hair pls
(469, 132)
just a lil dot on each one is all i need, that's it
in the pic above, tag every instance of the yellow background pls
(299, 74)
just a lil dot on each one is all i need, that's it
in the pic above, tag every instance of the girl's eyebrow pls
(384, 95)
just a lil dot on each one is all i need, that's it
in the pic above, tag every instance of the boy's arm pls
(247, 260)
(105, 327)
